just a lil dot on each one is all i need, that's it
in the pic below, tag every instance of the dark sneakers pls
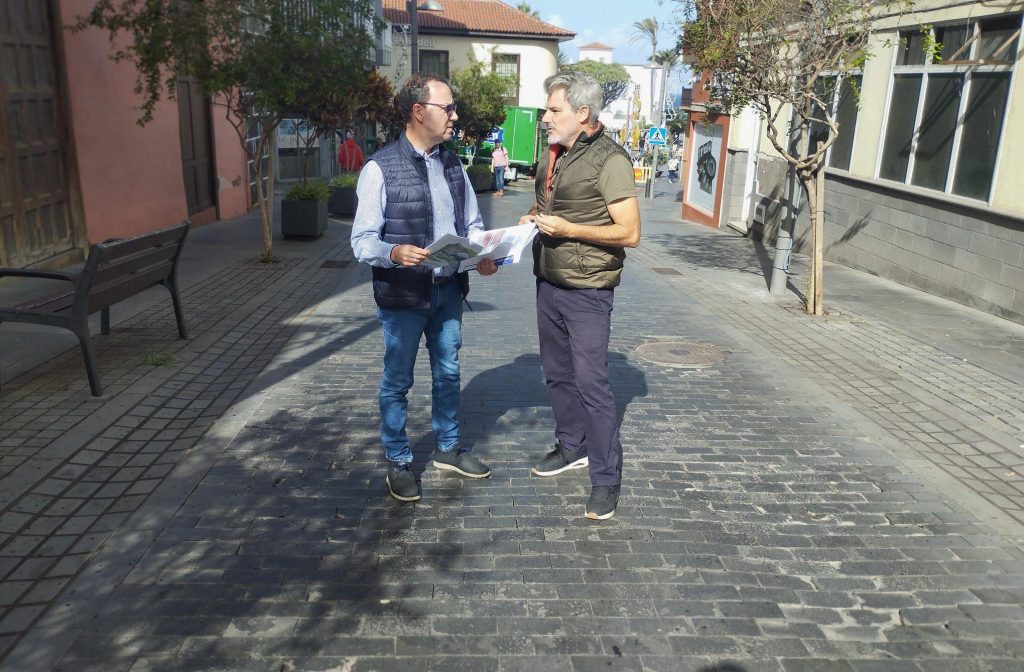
(462, 463)
(558, 460)
(603, 499)
(402, 483)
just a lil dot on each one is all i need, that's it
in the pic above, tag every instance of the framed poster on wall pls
(704, 169)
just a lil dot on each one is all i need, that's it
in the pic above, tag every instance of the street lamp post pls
(414, 30)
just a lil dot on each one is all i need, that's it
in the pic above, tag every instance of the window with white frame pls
(947, 105)
(507, 65)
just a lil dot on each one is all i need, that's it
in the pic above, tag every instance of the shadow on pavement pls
(731, 253)
(495, 393)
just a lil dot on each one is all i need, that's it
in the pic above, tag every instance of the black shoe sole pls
(452, 467)
(578, 464)
(401, 498)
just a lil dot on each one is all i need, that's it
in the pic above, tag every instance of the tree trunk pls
(814, 187)
(807, 182)
(818, 264)
(265, 198)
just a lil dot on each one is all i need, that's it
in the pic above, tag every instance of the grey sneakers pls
(461, 462)
(402, 483)
(558, 460)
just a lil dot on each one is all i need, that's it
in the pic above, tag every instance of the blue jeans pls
(499, 178)
(403, 329)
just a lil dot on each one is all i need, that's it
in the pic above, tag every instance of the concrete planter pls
(482, 181)
(343, 201)
(303, 219)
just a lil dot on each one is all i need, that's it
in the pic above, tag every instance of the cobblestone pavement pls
(74, 467)
(780, 507)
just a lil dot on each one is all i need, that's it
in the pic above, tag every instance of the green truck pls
(524, 137)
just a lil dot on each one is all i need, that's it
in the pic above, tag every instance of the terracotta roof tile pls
(595, 45)
(462, 17)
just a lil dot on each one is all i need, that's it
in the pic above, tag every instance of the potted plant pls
(343, 194)
(304, 210)
(481, 177)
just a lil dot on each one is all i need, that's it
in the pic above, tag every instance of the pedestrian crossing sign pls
(657, 135)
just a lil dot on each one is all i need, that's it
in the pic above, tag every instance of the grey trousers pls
(574, 326)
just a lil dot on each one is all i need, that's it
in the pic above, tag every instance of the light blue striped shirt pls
(368, 224)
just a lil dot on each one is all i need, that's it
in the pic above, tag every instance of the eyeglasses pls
(449, 109)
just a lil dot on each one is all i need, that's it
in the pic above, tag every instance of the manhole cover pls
(686, 354)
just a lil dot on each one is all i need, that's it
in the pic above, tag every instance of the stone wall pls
(973, 255)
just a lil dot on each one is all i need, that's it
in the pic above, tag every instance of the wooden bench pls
(114, 271)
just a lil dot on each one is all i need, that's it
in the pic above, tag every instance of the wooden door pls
(196, 150)
(35, 213)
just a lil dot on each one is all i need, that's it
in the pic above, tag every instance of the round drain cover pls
(687, 354)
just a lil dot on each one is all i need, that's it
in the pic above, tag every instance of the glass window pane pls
(983, 124)
(899, 133)
(434, 62)
(938, 125)
(952, 38)
(507, 65)
(824, 88)
(994, 35)
(846, 116)
(911, 48)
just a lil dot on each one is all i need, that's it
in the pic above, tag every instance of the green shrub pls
(310, 190)
(345, 180)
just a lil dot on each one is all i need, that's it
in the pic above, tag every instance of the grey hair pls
(580, 89)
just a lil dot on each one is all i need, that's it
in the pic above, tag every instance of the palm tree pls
(562, 59)
(525, 8)
(667, 58)
(646, 30)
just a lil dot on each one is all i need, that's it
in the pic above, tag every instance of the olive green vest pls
(574, 196)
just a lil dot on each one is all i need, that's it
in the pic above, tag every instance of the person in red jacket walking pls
(350, 156)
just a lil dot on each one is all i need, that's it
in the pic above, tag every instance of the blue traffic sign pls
(657, 135)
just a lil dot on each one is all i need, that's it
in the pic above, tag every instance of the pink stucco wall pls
(130, 176)
(232, 176)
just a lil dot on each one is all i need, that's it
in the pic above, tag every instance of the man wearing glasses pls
(411, 193)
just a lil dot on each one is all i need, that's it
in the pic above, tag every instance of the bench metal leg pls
(105, 321)
(179, 313)
(90, 363)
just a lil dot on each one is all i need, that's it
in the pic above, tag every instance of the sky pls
(611, 22)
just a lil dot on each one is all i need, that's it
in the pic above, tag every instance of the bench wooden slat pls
(131, 264)
(125, 246)
(49, 303)
(119, 289)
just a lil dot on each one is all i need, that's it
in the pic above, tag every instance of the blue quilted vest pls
(408, 220)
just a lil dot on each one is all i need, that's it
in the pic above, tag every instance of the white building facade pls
(643, 94)
(923, 184)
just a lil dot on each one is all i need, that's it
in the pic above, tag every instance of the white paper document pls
(504, 246)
